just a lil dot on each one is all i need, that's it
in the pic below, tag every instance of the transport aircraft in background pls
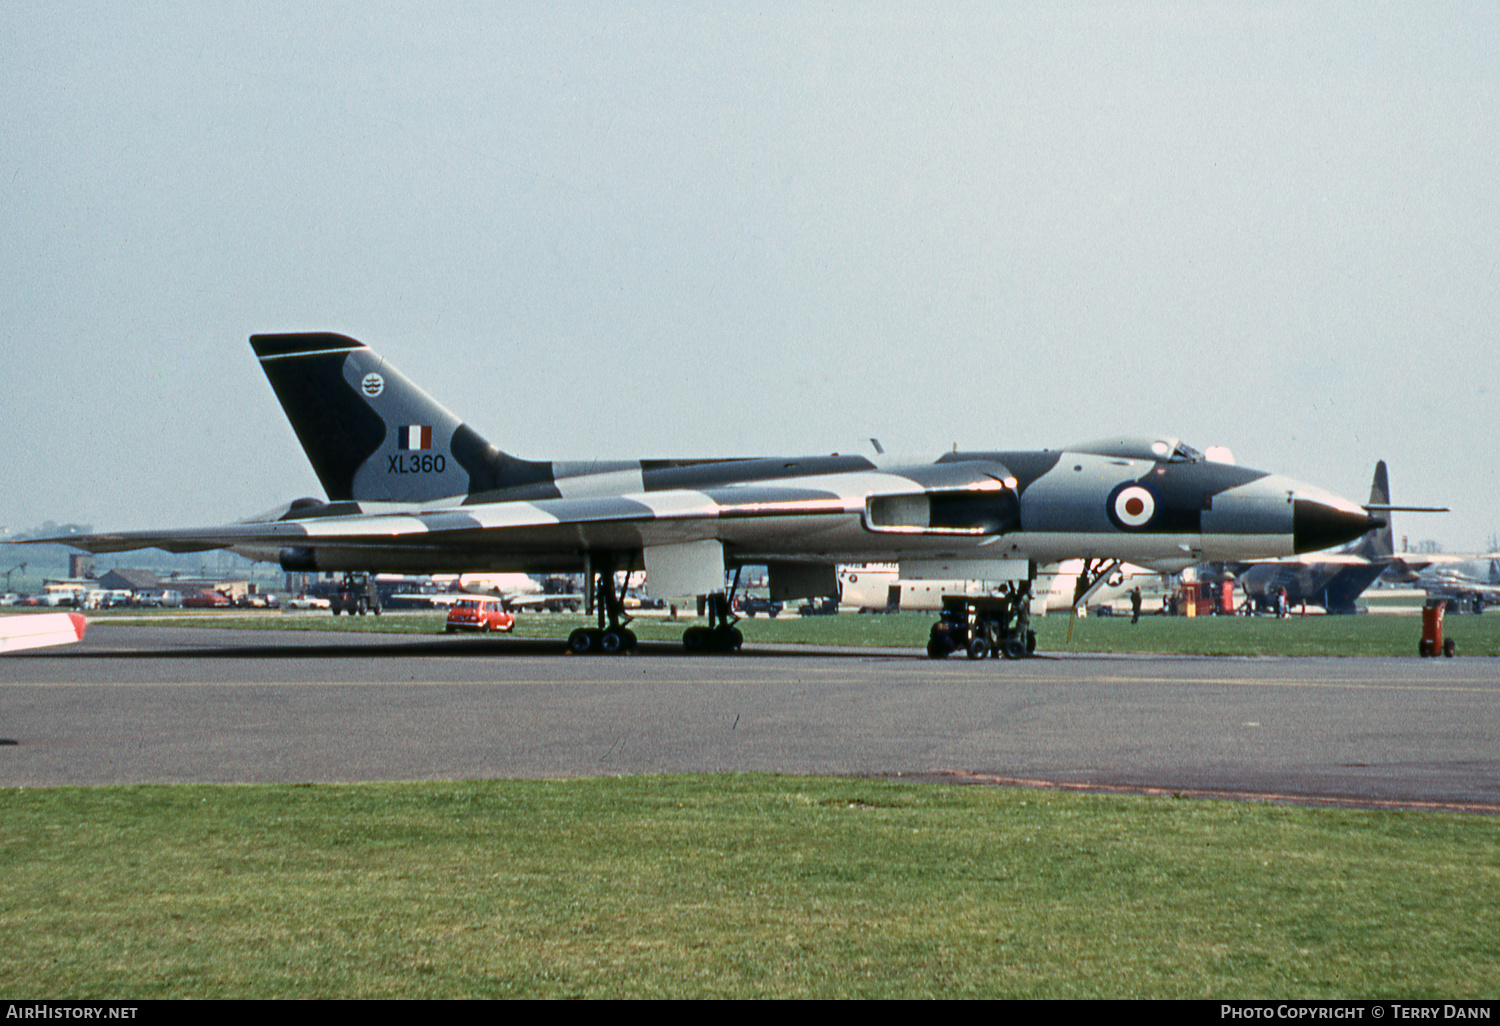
(1057, 587)
(1331, 580)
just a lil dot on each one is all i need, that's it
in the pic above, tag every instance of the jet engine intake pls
(968, 511)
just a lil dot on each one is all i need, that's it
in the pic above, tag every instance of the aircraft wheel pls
(695, 639)
(725, 639)
(1423, 649)
(630, 639)
(1030, 642)
(1449, 647)
(580, 641)
(978, 648)
(612, 642)
(937, 649)
(1014, 648)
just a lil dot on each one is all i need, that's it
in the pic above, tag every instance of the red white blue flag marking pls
(414, 436)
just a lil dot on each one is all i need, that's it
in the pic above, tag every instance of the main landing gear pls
(611, 637)
(721, 634)
(985, 626)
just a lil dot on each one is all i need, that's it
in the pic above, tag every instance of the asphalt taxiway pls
(139, 704)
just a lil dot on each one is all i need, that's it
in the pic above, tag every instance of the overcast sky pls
(649, 229)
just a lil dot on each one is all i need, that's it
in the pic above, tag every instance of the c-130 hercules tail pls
(411, 488)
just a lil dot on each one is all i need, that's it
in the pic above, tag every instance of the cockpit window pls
(1140, 447)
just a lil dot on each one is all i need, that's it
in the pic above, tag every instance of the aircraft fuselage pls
(1041, 506)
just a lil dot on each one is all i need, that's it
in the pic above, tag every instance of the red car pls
(207, 600)
(479, 614)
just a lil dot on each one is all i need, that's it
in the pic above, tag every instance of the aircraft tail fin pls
(370, 433)
(1380, 542)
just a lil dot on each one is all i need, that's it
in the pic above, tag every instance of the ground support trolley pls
(356, 595)
(992, 626)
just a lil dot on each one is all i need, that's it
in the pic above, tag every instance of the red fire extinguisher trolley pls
(1432, 631)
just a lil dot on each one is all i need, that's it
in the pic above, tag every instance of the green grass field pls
(753, 886)
(1371, 635)
(733, 886)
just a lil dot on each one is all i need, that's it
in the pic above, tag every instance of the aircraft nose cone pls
(1317, 525)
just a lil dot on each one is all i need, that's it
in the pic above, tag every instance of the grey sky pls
(691, 229)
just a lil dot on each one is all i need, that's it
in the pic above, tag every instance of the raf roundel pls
(373, 384)
(1132, 506)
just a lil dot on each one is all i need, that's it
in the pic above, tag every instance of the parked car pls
(479, 614)
(207, 600)
(307, 602)
(168, 599)
(749, 605)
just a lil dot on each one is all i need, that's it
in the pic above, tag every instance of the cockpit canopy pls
(1140, 447)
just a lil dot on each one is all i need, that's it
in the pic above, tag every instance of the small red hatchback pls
(479, 614)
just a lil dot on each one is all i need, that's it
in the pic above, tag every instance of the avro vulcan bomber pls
(411, 488)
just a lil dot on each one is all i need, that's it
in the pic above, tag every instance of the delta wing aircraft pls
(411, 488)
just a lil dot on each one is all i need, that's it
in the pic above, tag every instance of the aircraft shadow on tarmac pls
(366, 647)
